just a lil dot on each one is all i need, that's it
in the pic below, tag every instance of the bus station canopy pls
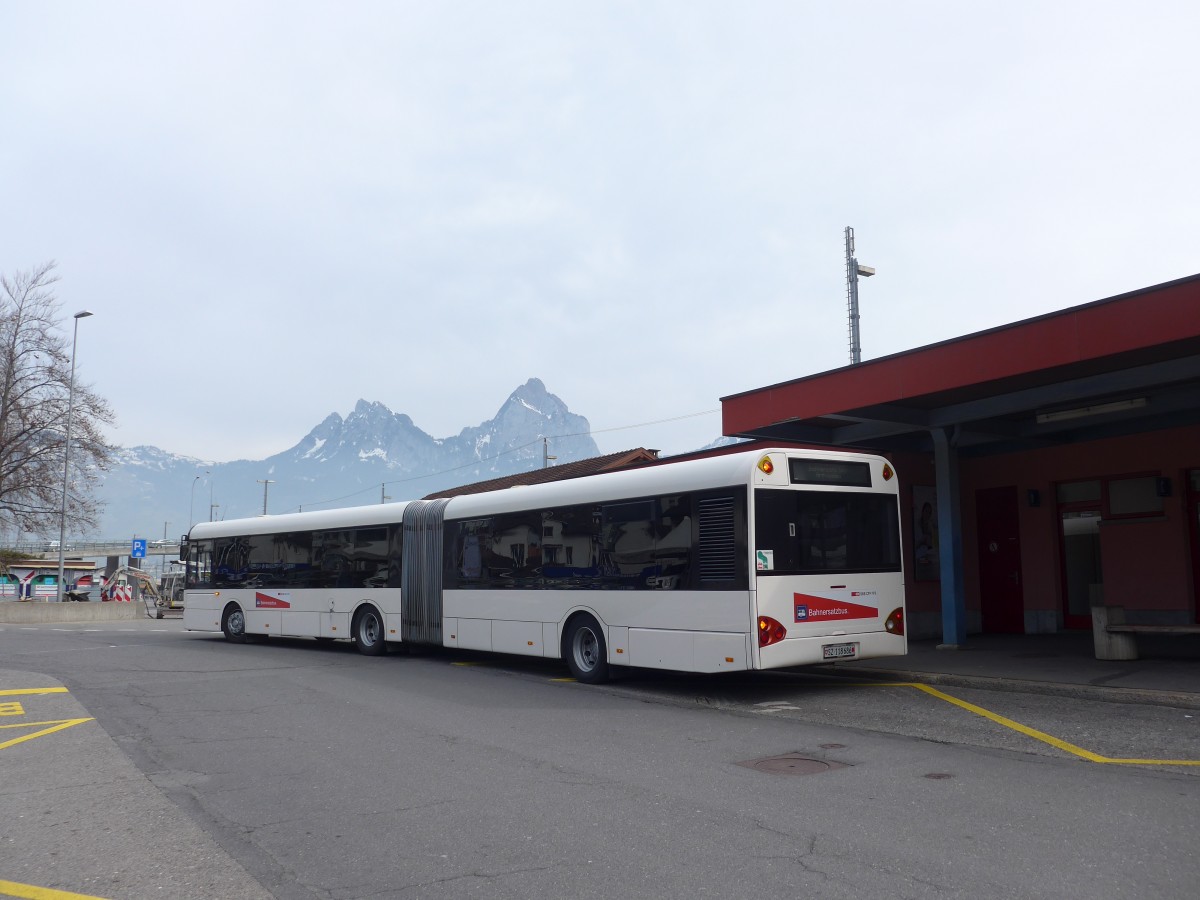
(1126, 364)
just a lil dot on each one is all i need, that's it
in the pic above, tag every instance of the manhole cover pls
(791, 764)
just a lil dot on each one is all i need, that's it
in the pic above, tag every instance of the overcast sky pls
(275, 209)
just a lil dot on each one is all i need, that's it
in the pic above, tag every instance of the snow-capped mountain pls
(371, 453)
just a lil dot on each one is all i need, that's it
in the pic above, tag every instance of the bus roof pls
(318, 520)
(728, 470)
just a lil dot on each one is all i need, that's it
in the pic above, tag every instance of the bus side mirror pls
(183, 548)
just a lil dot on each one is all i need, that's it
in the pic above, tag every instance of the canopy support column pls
(954, 612)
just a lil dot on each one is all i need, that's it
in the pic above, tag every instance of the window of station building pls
(1136, 496)
(1126, 496)
(1079, 491)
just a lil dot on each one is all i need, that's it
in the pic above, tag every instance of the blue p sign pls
(139, 549)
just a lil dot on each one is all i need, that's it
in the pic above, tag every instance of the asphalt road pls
(293, 769)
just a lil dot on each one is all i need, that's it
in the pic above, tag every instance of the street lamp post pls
(192, 503)
(62, 522)
(265, 483)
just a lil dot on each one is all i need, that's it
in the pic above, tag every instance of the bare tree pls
(35, 376)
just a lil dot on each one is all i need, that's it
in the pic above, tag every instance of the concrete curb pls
(1178, 699)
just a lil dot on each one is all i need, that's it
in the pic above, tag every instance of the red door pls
(1001, 595)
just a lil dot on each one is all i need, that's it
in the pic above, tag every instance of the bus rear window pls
(808, 532)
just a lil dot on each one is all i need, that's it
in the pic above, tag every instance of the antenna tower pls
(853, 270)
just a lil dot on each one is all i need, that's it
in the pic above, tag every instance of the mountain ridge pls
(370, 454)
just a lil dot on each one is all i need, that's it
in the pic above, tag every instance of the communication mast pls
(853, 270)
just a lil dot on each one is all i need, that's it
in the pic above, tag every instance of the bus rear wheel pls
(586, 652)
(368, 632)
(233, 623)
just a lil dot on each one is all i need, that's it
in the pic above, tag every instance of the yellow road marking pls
(12, 708)
(29, 892)
(15, 692)
(1032, 732)
(477, 662)
(57, 725)
(1015, 726)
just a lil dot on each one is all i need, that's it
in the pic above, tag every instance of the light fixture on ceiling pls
(1083, 412)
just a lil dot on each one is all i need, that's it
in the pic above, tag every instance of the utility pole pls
(162, 560)
(383, 497)
(546, 457)
(853, 270)
(265, 482)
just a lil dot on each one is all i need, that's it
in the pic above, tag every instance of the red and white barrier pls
(122, 592)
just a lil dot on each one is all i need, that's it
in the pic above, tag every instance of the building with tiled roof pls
(578, 469)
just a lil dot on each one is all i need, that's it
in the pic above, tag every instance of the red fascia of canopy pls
(1120, 328)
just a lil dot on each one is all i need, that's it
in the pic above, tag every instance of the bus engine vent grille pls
(718, 544)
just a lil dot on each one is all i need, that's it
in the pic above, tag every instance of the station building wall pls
(1146, 562)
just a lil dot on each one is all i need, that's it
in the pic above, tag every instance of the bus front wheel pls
(586, 653)
(368, 632)
(233, 623)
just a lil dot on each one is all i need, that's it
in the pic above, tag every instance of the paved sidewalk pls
(1168, 674)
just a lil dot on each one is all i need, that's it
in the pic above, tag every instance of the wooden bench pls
(1116, 639)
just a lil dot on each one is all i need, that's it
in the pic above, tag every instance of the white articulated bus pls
(749, 560)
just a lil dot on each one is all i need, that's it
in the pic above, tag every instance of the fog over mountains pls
(347, 461)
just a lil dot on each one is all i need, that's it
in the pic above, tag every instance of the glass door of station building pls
(1079, 513)
(1082, 507)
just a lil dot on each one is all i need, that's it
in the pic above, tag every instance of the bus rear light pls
(888, 472)
(766, 466)
(895, 622)
(770, 631)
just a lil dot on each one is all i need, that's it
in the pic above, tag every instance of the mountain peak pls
(370, 453)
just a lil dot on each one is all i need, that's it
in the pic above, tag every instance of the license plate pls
(839, 651)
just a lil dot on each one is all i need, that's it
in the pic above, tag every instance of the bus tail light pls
(766, 466)
(895, 622)
(770, 631)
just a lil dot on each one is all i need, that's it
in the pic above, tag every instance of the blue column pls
(954, 611)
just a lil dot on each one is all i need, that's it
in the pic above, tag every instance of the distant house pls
(37, 579)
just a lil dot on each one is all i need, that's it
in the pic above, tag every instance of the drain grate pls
(791, 764)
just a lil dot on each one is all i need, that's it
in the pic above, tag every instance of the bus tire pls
(585, 650)
(233, 623)
(369, 633)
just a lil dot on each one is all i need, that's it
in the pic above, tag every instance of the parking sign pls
(139, 549)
